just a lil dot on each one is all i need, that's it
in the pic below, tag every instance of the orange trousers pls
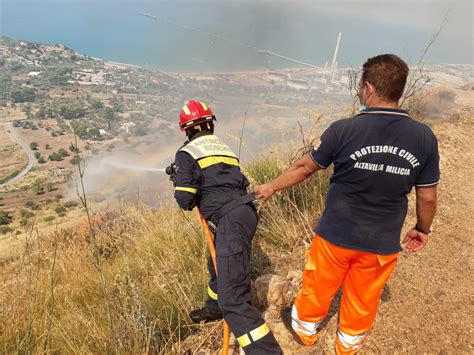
(362, 275)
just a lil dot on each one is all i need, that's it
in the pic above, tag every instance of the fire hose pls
(212, 251)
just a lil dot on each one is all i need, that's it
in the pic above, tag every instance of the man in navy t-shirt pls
(379, 155)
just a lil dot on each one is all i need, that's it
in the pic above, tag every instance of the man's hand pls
(171, 171)
(264, 192)
(415, 240)
(296, 172)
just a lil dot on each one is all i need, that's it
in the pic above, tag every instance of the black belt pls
(229, 206)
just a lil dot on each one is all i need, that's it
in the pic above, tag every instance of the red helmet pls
(193, 113)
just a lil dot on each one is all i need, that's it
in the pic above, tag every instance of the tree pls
(38, 186)
(37, 155)
(94, 132)
(55, 157)
(108, 114)
(79, 128)
(41, 113)
(19, 95)
(34, 146)
(97, 105)
(41, 160)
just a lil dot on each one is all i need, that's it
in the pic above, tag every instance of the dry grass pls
(12, 157)
(153, 263)
(152, 272)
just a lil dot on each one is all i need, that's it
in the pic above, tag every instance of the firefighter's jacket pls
(207, 175)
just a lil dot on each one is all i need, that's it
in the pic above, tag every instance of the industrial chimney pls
(334, 58)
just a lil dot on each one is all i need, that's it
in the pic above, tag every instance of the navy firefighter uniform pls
(208, 176)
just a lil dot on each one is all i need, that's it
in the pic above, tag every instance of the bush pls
(76, 160)
(60, 209)
(33, 146)
(55, 157)
(63, 152)
(5, 230)
(37, 155)
(41, 160)
(38, 186)
(5, 218)
(26, 214)
(71, 204)
(49, 218)
(31, 205)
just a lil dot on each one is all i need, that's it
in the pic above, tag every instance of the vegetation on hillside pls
(127, 285)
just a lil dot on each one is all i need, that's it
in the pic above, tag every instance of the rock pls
(440, 295)
(295, 277)
(271, 314)
(271, 290)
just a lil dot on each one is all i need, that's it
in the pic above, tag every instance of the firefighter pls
(379, 156)
(208, 177)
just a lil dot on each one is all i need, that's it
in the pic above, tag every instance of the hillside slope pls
(426, 305)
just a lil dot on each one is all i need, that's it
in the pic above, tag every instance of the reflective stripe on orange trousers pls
(362, 275)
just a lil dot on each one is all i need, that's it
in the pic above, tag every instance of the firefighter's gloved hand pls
(171, 171)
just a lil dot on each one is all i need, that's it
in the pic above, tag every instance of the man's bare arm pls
(296, 172)
(425, 207)
(417, 238)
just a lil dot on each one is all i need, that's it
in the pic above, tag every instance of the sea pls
(225, 35)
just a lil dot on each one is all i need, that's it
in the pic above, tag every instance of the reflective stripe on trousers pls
(362, 276)
(254, 335)
(211, 293)
(348, 344)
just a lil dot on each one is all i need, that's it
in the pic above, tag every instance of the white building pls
(127, 127)
(103, 133)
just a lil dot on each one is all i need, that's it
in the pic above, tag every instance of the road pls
(31, 158)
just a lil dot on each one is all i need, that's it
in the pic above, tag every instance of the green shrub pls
(76, 160)
(5, 230)
(49, 218)
(60, 209)
(31, 205)
(5, 218)
(71, 204)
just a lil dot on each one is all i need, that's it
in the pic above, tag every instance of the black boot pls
(205, 314)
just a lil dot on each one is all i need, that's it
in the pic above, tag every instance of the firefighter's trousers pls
(362, 276)
(230, 291)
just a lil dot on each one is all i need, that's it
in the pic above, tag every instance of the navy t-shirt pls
(378, 156)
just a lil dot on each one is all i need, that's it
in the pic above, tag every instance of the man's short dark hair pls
(388, 74)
